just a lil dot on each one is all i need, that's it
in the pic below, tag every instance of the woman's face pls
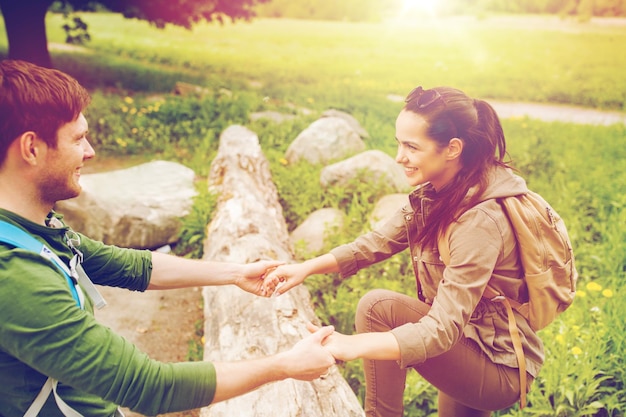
(422, 159)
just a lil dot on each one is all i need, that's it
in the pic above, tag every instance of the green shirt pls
(43, 333)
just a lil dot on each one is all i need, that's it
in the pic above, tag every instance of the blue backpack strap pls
(19, 238)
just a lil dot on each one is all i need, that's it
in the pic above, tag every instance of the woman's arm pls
(285, 277)
(375, 345)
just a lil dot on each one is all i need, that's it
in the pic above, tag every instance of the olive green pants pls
(469, 383)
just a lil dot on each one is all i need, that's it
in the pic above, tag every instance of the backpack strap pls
(19, 238)
(496, 296)
(50, 386)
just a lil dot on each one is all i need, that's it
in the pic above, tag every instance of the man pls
(48, 334)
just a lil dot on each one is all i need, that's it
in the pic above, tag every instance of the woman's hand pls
(339, 345)
(282, 279)
(253, 275)
(375, 345)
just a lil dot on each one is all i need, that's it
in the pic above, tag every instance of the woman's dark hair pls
(450, 113)
(37, 99)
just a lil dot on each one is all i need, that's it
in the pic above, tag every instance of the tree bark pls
(248, 225)
(25, 23)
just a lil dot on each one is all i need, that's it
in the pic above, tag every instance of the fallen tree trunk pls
(249, 225)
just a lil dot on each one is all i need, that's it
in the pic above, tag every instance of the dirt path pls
(160, 323)
(553, 113)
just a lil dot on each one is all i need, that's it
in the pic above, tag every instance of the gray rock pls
(313, 231)
(386, 207)
(377, 164)
(325, 140)
(348, 118)
(137, 207)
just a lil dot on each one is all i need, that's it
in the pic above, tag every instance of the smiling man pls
(55, 358)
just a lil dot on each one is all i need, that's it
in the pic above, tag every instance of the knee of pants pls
(366, 309)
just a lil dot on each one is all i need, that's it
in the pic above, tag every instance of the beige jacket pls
(482, 250)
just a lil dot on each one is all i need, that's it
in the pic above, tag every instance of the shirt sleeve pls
(116, 267)
(372, 247)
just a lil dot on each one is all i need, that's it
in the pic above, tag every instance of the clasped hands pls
(273, 278)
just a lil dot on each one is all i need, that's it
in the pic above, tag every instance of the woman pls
(452, 148)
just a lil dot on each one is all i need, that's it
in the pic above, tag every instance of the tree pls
(26, 25)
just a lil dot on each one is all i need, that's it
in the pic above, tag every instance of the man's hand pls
(282, 279)
(309, 359)
(305, 361)
(253, 275)
(338, 344)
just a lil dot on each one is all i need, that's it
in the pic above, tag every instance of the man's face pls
(61, 174)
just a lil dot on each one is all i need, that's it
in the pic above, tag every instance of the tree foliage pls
(26, 28)
(178, 12)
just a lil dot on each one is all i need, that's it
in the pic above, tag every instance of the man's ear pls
(30, 147)
(455, 148)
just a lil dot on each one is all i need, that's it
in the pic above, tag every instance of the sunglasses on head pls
(423, 98)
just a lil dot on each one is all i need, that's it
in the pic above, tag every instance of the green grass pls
(290, 65)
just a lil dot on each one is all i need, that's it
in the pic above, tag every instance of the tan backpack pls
(547, 259)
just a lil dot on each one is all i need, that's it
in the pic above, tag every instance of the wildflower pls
(607, 293)
(124, 109)
(560, 339)
(581, 293)
(594, 286)
(283, 161)
(128, 100)
(576, 351)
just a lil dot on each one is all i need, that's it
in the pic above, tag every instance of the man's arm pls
(170, 271)
(306, 360)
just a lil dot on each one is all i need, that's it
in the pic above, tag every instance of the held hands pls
(309, 359)
(339, 345)
(254, 274)
(283, 278)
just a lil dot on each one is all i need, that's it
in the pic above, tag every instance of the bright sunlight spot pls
(425, 6)
(412, 11)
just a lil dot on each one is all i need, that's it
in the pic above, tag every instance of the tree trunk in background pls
(25, 22)
(248, 225)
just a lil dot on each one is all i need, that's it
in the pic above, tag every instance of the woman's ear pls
(455, 148)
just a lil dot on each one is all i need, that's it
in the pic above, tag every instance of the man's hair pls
(36, 99)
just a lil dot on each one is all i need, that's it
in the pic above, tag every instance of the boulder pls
(314, 229)
(348, 118)
(376, 165)
(137, 207)
(386, 207)
(325, 140)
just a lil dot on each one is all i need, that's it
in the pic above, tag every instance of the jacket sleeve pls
(475, 246)
(43, 329)
(372, 247)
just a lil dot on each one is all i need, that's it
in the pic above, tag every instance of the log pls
(248, 225)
